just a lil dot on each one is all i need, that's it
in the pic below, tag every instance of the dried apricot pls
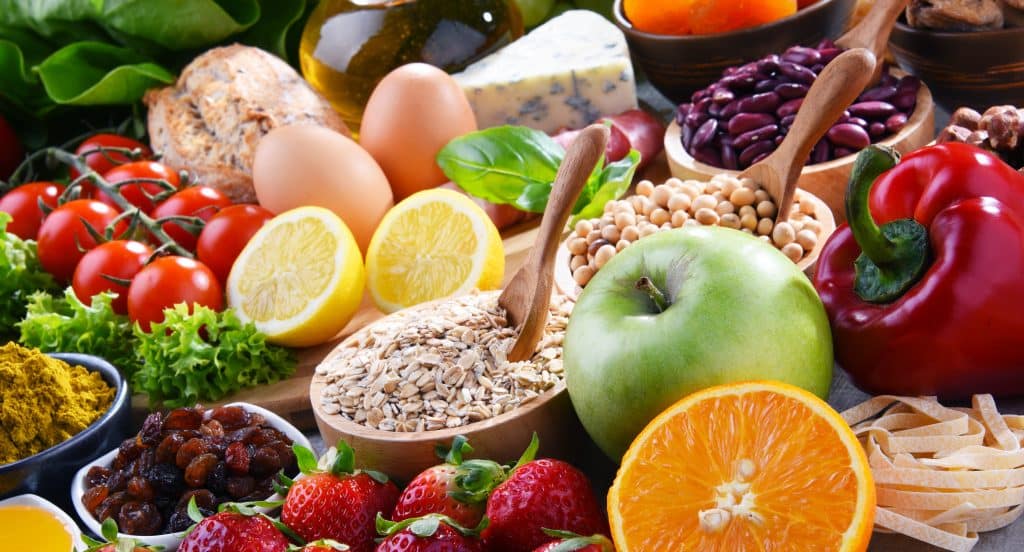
(659, 16)
(704, 16)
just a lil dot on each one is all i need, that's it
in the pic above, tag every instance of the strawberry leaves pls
(426, 526)
(572, 542)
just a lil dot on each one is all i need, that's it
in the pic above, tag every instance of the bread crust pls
(224, 102)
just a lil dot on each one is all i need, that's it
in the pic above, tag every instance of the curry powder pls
(44, 401)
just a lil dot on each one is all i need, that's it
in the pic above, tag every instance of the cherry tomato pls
(102, 162)
(63, 239)
(168, 281)
(22, 203)
(11, 152)
(136, 194)
(226, 234)
(195, 201)
(118, 259)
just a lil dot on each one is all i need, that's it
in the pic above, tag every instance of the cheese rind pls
(566, 73)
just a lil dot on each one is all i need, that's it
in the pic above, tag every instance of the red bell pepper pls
(931, 302)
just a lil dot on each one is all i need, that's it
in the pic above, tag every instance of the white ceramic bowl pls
(39, 502)
(170, 541)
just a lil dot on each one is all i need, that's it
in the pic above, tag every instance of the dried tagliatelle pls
(942, 475)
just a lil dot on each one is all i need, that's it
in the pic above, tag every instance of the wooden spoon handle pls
(873, 31)
(836, 87)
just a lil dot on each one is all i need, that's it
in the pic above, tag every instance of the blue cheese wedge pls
(566, 73)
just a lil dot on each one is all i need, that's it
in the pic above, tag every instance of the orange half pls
(753, 466)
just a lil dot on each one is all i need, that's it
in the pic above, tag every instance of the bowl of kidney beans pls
(230, 453)
(743, 117)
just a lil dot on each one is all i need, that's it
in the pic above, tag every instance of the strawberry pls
(340, 503)
(429, 533)
(571, 542)
(321, 545)
(234, 528)
(112, 543)
(538, 494)
(457, 489)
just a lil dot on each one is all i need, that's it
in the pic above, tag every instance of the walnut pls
(956, 15)
(1004, 127)
(977, 138)
(953, 133)
(966, 117)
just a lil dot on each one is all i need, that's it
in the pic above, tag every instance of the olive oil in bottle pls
(349, 45)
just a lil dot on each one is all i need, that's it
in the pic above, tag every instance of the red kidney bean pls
(745, 122)
(791, 90)
(888, 79)
(695, 118)
(857, 121)
(878, 94)
(749, 153)
(802, 55)
(896, 122)
(722, 96)
(818, 68)
(778, 140)
(715, 111)
(843, 152)
(760, 157)
(767, 85)
(787, 121)
(729, 159)
(756, 135)
(708, 156)
(849, 135)
(682, 112)
(700, 95)
(828, 54)
(705, 134)
(760, 103)
(687, 136)
(872, 110)
(798, 73)
(730, 110)
(876, 130)
(908, 84)
(703, 105)
(739, 82)
(768, 66)
(905, 102)
(822, 152)
(789, 108)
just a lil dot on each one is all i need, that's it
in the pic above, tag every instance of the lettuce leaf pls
(20, 276)
(66, 325)
(205, 356)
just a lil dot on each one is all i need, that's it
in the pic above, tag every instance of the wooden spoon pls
(873, 31)
(836, 87)
(527, 296)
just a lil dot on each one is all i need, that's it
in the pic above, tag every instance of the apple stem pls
(646, 285)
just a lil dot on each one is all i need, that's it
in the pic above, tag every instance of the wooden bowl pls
(975, 69)
(502, 438)
(679, 65)
(565, 283)
(827, 181)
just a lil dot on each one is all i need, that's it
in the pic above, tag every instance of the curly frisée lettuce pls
(20, 276)
(205, 356)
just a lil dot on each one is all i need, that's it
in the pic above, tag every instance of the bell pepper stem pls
(894, 256)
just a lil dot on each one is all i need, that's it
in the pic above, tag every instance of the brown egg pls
(303, 165)
(412, 114)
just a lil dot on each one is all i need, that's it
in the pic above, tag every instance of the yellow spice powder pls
(44, 401)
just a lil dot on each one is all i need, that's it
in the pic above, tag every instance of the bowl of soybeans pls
(725, 200)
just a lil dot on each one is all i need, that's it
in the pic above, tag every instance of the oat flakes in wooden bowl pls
(419, 377)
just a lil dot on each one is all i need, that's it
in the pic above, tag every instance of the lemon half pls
(436, 243)
(300, 279)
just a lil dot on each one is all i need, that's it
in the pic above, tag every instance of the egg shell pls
(412, 114)
(303, 165)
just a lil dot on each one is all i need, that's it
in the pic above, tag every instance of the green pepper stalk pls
(894, 256)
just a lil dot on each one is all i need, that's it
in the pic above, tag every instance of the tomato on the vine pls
(103, 161)
(195, 201)
(139, 194)
(63, 238)
(168, 281)
(101, 267)
(226, 234)
(22, 203)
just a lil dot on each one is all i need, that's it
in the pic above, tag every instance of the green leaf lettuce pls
(20, 276)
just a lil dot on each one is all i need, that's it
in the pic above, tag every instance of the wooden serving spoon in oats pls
(527, 296)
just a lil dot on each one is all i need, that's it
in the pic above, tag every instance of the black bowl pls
(48, 473)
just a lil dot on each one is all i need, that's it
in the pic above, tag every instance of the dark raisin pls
(117, 481)
(110, 506)
(265, 462)
(139, 518)
(142, 464)
(217, 479)
(204, 499)
(199, 469)
(149, 435)
(231, 417)
(244, 434)
(128, 451)
(183, 418)
(212, 428)
(141, 489)
(263, 437)
(189, 450)
(178, 521)
(288, 462)
(97, 475)
(263, 490)
(239, 487)
(166, 479)
(236, 456)
(168, 448)
(257, 419)
(92, 498)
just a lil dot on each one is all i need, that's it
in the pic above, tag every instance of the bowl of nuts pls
(415, 379)
(999, 129)
(724, 200)
(744, 116)
(226, 454)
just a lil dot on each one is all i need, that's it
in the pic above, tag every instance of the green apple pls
(604, 7)
(683, 310)
(534, 11)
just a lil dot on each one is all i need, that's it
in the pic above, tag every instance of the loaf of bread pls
(224, 102)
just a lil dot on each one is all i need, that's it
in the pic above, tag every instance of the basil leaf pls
(506, 165)
(612, 182)
(277, 20)
(155, 27)
(94, 73)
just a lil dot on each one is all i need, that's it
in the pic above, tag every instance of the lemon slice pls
(436, 243)
(300, 278)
